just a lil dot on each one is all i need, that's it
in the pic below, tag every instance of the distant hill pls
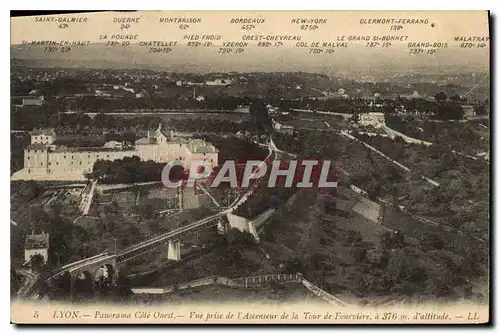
(355, 58)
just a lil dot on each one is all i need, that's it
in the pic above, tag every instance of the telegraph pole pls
(114, 239)
(58, 258)
(85, 245)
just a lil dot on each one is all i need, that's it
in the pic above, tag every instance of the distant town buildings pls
(283, 128)
(36, 244)
(114, 145)
(43, 136)
(218, 82)
(374, 119)
(28, 100)
(100, 93)
(469, 110)
(43, 160)
(243, 109)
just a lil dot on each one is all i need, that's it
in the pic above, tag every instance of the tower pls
(158, 129)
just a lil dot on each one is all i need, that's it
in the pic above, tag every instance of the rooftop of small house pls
(37, 241)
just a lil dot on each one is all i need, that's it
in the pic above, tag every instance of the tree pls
(330, 206)
(480, 110)
(359, 252)
(399, 238)
(474, 263)
(446, 110)
(237, 237)
(432, 241)
(237, 243)
(392, 240)
(439, 287)
(147, 211)
(60, 289)
(84, 287)
(209, 237)
(123, 287)
(15, 281)
(260, 116)
(36, 262)
(440, 97)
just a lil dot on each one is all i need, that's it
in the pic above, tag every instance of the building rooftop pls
(27, 97)
(36, 147)
(201, 146)
(89, 149)
(204, 149)
(37, 241)
(48, 132)
(145, 141)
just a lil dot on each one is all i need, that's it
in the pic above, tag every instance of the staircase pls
(87, 196)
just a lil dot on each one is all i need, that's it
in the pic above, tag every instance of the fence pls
(261, 280)
(186, 285)
(244, 282)
(323, 294)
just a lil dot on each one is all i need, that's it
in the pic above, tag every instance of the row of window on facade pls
(73, 157)
(41, 138)
(50, 171)
(57, 163)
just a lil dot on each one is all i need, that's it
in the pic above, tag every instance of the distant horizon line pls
(151, 67)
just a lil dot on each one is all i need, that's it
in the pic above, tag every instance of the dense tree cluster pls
(15, 282)
(237, 242)
(127, 170)
(468, 137)
(448, 110)
(340, 258)
(216, 126)
(260, 117)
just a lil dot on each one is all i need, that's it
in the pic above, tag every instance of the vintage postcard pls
(250, 167)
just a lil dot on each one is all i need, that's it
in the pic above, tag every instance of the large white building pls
(44, 160)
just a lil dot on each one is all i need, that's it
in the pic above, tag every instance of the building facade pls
(44, 160)
(36, 244)
(375, 119)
